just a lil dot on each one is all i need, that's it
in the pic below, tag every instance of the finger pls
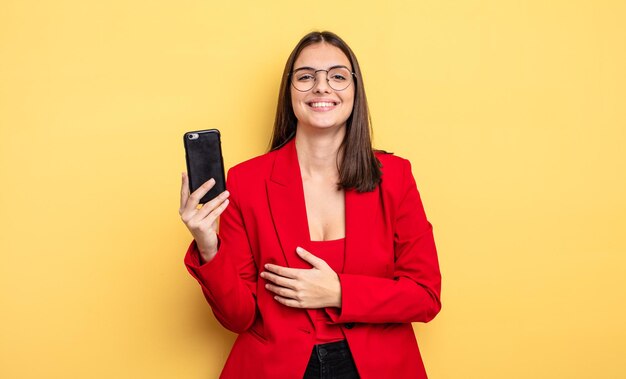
(311, 259)
(217, 212)
(213, 204)
(283, 271)
(212, 217)
(208, 220)
(279, 280)
(288, 302)
(184, 192)
(196, 196)
(281, 291)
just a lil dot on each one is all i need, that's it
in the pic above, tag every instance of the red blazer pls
(390, 278)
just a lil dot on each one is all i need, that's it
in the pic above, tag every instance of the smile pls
(322, 104)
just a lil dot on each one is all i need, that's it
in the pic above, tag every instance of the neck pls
(318, 151)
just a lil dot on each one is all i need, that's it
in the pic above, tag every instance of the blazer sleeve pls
(413, 295)
(228, 281)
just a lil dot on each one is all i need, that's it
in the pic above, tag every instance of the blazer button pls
(349, 325)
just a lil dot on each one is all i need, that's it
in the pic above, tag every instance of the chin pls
(329, 125)
(325, 123)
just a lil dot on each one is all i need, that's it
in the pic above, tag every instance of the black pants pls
(331, 361)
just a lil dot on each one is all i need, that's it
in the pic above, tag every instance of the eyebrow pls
(315, 69)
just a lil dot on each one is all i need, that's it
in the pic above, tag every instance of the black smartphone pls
(203, 153)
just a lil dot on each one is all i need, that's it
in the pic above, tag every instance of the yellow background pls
(513, 114)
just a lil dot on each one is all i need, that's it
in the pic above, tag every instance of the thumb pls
(314, 261)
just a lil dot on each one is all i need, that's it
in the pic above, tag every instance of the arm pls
(228, 280)
(413, 295)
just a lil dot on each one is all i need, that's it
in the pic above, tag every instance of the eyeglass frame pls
(290, 75)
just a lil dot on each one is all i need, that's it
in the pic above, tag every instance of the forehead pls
(321, 55)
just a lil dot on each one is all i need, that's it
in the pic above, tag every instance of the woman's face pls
(322, 106)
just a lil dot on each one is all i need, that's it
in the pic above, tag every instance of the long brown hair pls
(359, 168)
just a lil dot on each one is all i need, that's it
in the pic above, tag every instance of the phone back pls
(204, 161)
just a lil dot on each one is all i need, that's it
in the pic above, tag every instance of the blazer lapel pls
(362, 212)
(286, 198)
(287, 206)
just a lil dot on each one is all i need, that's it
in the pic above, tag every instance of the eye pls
(339, 75)
(338, 78)
(305, 76)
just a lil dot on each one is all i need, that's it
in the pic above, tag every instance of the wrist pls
(205, 255)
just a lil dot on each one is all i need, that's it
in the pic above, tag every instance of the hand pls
(318, 287)
(202, 221)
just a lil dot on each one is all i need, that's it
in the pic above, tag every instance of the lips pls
(322, 105)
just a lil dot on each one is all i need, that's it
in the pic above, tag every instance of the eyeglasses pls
(338, 78)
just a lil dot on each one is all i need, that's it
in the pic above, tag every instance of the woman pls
(325, 255)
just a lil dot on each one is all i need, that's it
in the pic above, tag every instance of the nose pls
(321, 82)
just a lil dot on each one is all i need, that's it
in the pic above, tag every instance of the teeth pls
(322, 104)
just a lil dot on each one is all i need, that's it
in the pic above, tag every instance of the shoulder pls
(246, 180)
(259, 166)
(397, 176)
(393, 167)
